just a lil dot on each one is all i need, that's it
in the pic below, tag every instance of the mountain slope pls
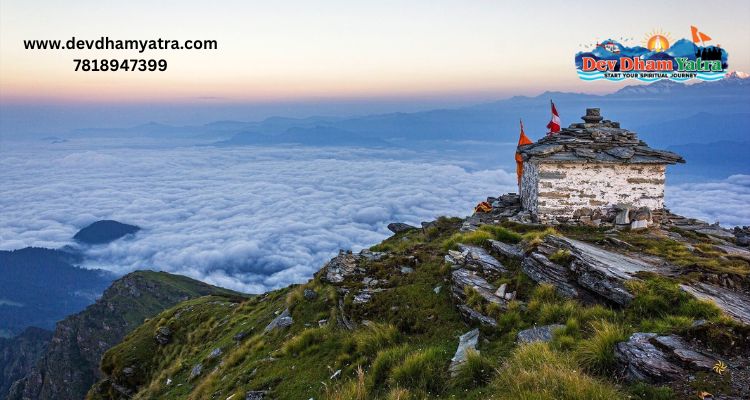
(19, 355)
(387, 322)
(70, 364)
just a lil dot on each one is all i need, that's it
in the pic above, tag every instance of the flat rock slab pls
(654, 358)
(539, 268)
(467, 341)
(480, 258)
(463, 278)
(733, 251)
(281, 321)
(736, 305)
(600, 271)
(681, 350)
(642, 361)
(507, 250)
(397, 227)
(475, 316)
(537, 334)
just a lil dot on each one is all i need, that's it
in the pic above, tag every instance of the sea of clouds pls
(254, 219)
(244, 218)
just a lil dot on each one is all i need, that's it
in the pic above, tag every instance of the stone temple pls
(593, 171)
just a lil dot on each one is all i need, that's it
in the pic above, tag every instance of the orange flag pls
(522, 139)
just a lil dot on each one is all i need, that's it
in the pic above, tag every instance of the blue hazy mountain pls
(315, 136)
(38, 287)
(664, 113)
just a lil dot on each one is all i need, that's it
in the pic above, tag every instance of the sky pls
(326, 57)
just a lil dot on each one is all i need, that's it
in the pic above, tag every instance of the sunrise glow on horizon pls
(334, 49)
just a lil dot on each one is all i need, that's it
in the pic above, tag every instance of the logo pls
(657, 57)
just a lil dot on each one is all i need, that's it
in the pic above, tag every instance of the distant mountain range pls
(664, 114)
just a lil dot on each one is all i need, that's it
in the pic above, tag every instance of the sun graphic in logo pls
(657, 40)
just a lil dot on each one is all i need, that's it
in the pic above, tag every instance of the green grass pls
(644, 391)
(477, 371)
(385, 361)
(596, 354)
(480, 236)
(561, 256)
(403, 351)
(307, 340)
(536, 371)
(658, 297)
(422, 370)
(370, 339)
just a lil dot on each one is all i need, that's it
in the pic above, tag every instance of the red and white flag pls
(554, 123)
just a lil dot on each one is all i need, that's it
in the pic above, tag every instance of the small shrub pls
(545, 293)
(560, 256)
(535, 238)
(535, 371)
(510, 319)
(399, 394)
(596, 312)
(658, 297)
(375, 337)
(667, 324)
(295, 296)
(475, 372)
(305, 340)
(473, 298)
(422, 370)
(478, 237)
(352, 390)
(384, 363)
(597, 354)
(502, 234)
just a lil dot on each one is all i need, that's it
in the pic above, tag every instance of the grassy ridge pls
(404, 349)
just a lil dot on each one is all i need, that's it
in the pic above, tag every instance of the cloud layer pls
(726, 201)
(244, 218)
(253, 219)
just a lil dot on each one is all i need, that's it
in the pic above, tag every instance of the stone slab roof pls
(596, 140)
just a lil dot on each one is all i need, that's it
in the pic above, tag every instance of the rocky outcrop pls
(653, 358)
(511, 251)
(398, 227)
(742, 235)
(472, 315)
(472, 266)
(735, 304)
(71, 363)
(346, 264)
(590, 271)
(464, 279)
(642, 360)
